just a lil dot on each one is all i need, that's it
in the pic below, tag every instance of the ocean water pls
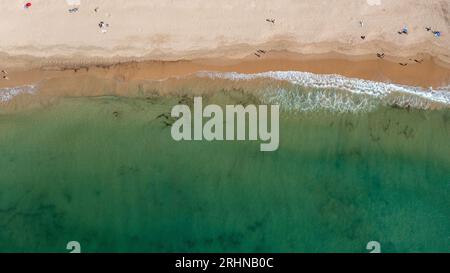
(356, 163)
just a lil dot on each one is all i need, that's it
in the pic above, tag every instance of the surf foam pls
(316, 100)
(8, 93)
(333, 81)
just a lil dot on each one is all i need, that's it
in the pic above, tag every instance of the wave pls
(364, 93)
(8, 93)
(290, 100)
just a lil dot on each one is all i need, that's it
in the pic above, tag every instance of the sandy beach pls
(106, 148)
(140, 40)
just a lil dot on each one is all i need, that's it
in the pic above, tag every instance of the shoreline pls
(428, 73)
(149, 78)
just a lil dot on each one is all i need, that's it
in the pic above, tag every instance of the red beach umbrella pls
(28, 4)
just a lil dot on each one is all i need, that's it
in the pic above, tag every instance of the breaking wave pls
(290, 100)
(338, 93)
(8, 93)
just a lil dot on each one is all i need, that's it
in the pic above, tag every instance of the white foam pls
(8, 93)
(291, 100)
(333, 81)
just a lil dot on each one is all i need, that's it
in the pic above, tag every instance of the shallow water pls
(105, 172)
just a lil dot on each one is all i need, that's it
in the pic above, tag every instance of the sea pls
(358, 161)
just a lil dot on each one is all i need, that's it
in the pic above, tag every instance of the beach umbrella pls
(28, 4)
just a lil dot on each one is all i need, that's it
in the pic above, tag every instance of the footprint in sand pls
(374, 2)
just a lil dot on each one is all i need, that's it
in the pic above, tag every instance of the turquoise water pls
(105, 172)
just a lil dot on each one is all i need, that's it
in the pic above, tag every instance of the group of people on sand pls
(4, 75)
(103, 26)
(405, 31)
(260, 52)
(419, 61)
(435, 32)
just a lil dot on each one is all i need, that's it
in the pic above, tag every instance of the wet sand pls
(58, 76)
